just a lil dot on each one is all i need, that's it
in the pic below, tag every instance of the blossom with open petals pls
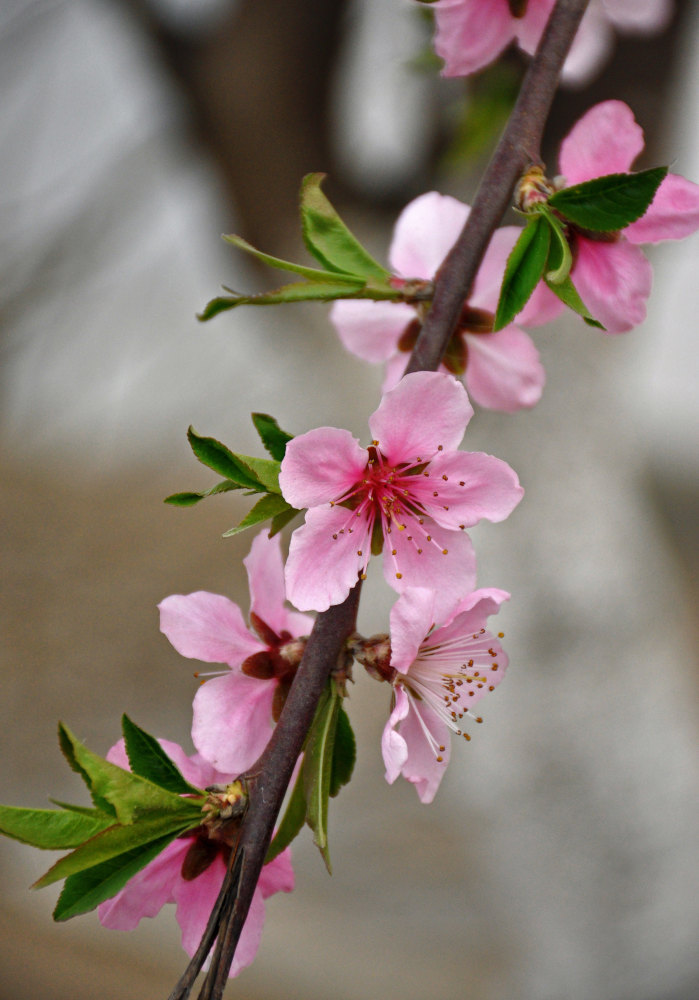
(410, 492)
(233, 712)
(438, 676)
(502, 370)
(162, 880)
(611, 274)
(472, 33)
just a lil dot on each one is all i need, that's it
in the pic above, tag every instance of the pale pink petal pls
(194, 769)
(504, 371)
(265, 569)
(321, 568)
(232, 720)
(606, 140)
(482, 603)
(471, 33)
(278, 875)
(371, 330)
(591, 48)
(421, 767)
(614, 282)
(394, 371)
(422, 563)
(640, 15)
(529, 29)
(195, 901)
(426, 410)
(486, 287)
(394, 749)
(147, 892)
(672, 215)
(207, 627)
(543, 307)
(424, 233)
(412, 616)
(470, 485)
(320, 466)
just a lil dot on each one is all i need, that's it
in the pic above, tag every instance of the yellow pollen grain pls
(440, 447)
(440, 759)
(462, 526)
(394, 552)
(435, 494)
(362, 576)
(467, 737)
(491, 687)
(445, 478)
(399, 576)
(359, 552)
(462, 483)
(419, 552)
(445, 552)
(335, 537)
(478, 718)
(494, 666)
(501, 635)
(429, 538)
(425, 473)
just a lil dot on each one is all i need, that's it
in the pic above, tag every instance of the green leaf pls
(312, 273)
(265, 471)
(216, 456)
(271, 505)
(607, 204)
(292, 823)
(65, 742)
(299, 291)
(328, 238)
(524, 269)
(272, 436)
(148, 759)
(190, 498)
(115, 840)
(344, 753)
(560, 259)
(281, 519)
(567, 293)
(317, 768)
(87, 889)
(51, 829)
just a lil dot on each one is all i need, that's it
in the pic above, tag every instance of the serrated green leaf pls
(272, 436)
(568, 293)
(607, 204)
(84, 810)
(271, 505)
(264, 470)
(190, 498)
(51, 829)
(317, 768)
(560, 258)
(129, 794)
(87, 889)
(299, 291)
(327, 237)
(148, 759)
(115, 840)
(281, 519)
(221, 459)
(312, 273)
(65, 742)
(344, 753)
(525, 267)
(292, 823)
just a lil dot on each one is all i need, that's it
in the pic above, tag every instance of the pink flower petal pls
(543, 307)
(591, 48)
(490, 489)
(450, 576)
(147, 892)
(672, 215)
(482, 603)
(195, 901)
(486, 287)
(614, 281)
(471, 33)
(394, 749)
(232, 719)
(207, 627)
(640, 15)
(421, 767)
(322, 569)
(504, 371)
(371, 330)
(265, 570)
(320, 466)
(529, 29)
(394, 371)
(426, 410)
(277, 876)
(412, 616)
(424, 233)
(606, 140)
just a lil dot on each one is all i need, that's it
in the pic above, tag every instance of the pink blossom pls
(438, 676)
(472, 33)
(233, 712)
(161, 881)
(612, 275)
(502, 370)
(411, 492)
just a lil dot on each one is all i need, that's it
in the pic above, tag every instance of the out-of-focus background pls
(559, 859)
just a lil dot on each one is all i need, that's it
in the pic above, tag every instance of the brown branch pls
(269, 777)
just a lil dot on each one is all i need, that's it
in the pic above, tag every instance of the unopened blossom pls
(502, 370)
(438, 674)
(610, 272)
(189, 872)
(472, 33)
(411, 494)
(234, 711)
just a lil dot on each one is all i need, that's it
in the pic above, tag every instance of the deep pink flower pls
(472, 33)
(233, 712)
(439, 675)
(502, 370)
(410, 491)
(161, 881)
(613, 277)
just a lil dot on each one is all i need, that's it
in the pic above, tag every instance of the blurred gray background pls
(559, 859)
